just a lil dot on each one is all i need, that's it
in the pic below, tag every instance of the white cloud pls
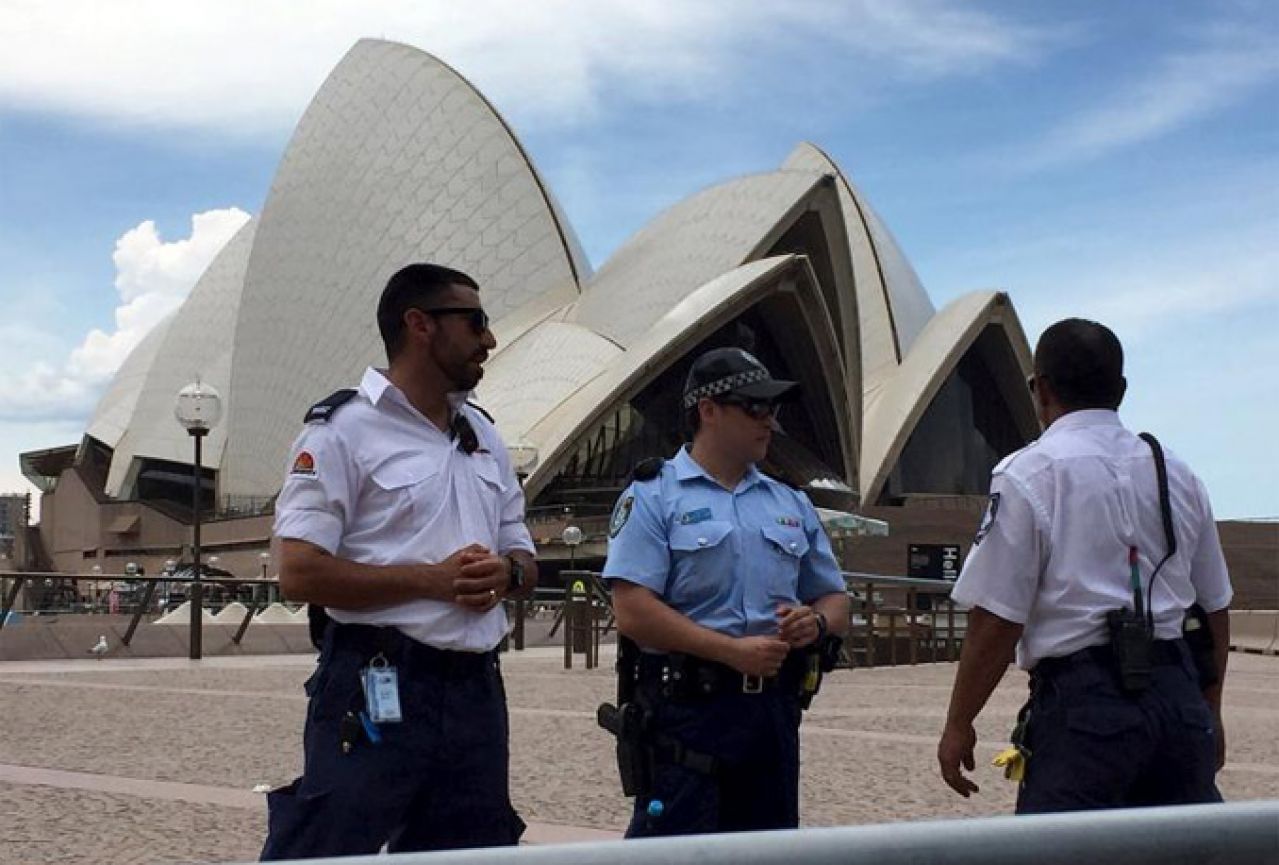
(166, 62)
(153, 277)
(1227, 65)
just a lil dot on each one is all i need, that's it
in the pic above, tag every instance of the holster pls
(819, 658)
(1198, 636)
(630, 723)
(639, 745)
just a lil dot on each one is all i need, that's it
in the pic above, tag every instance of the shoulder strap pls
(1165, 500)
(323, 410)
(647, 469)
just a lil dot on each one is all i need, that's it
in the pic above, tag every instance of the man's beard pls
(464, 375)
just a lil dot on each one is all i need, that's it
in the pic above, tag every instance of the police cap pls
(734, 372)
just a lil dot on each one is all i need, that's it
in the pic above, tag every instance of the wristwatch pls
(822, 627)
(517, 575)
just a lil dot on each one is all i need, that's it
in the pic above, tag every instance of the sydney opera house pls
(905, 408)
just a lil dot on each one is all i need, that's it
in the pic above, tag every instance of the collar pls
(376, 385)
(687, 468)
(1084, 418)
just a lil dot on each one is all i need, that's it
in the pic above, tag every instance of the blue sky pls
(1114, 161)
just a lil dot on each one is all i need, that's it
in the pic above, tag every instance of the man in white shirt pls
(402, 517)
(1074, 533)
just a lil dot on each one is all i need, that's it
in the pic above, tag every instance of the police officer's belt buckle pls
(752, 684)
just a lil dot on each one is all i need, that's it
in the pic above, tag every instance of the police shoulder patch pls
(303, 465)
(988, 519)
(621, 514)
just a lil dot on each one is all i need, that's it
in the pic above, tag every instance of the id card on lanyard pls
(381, 691)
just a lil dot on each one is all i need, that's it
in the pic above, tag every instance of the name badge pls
(700, 515)
(381, 692)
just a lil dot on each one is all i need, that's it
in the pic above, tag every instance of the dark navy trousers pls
(755, 740)
(1092, 746)
(437, 780)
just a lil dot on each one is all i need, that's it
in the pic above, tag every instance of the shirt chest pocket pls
(786, 540)
(406, 489)
(785, 547)
(701, 559)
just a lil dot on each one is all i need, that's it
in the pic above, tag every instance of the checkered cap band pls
(724, 385)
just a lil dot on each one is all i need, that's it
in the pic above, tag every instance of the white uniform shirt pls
(380, 484)
(1052, 551)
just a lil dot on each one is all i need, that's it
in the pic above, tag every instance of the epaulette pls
(323, 410)
(647, 469)
(479, 408)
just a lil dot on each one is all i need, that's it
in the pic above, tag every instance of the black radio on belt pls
(1132, 641)
(1132, 632)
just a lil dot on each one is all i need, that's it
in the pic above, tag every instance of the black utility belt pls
(402, 650)
(688, 676)
(1162, 653)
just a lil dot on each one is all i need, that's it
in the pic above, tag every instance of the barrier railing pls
(1238, 833)
(80, 594)
(896, 619)
(892, 620)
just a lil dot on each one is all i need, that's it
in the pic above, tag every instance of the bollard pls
(579, 624)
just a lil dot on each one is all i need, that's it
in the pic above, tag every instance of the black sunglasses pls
(756, 408)
(478, 319)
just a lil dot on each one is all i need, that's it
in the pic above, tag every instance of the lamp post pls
(198, 409)
(263, 591)
(571, 536)
(96, 570)
(170, 566)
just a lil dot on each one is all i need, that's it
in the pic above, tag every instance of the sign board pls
(933, 561)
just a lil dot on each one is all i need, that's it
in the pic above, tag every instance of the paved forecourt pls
(156, 760)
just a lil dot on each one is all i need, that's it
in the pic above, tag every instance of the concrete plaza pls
(155, 760)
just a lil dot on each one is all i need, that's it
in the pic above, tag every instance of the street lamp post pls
(198, 409)
(263, 593)
(571, 536)
(170, 566)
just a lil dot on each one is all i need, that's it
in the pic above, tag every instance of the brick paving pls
(155, 760)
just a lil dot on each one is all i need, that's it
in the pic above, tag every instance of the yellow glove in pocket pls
(1013, 762)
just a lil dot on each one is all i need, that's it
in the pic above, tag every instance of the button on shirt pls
(1052, 551)
(379, 484)
(724, 558)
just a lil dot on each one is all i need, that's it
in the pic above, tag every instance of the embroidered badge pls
(700, 515)
(988, 521)
(789, 522)
(304, 464)
(621, 514)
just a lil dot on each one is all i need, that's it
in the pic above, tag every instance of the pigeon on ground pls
(100, 648)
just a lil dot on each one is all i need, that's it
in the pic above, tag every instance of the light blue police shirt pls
(726, 559)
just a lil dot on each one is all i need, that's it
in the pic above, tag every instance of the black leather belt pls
(1163, 653)
(403, 650)
(685, 676)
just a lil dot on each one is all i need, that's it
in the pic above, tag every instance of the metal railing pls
(63, 594)
(892, 620)
(1237, 833)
